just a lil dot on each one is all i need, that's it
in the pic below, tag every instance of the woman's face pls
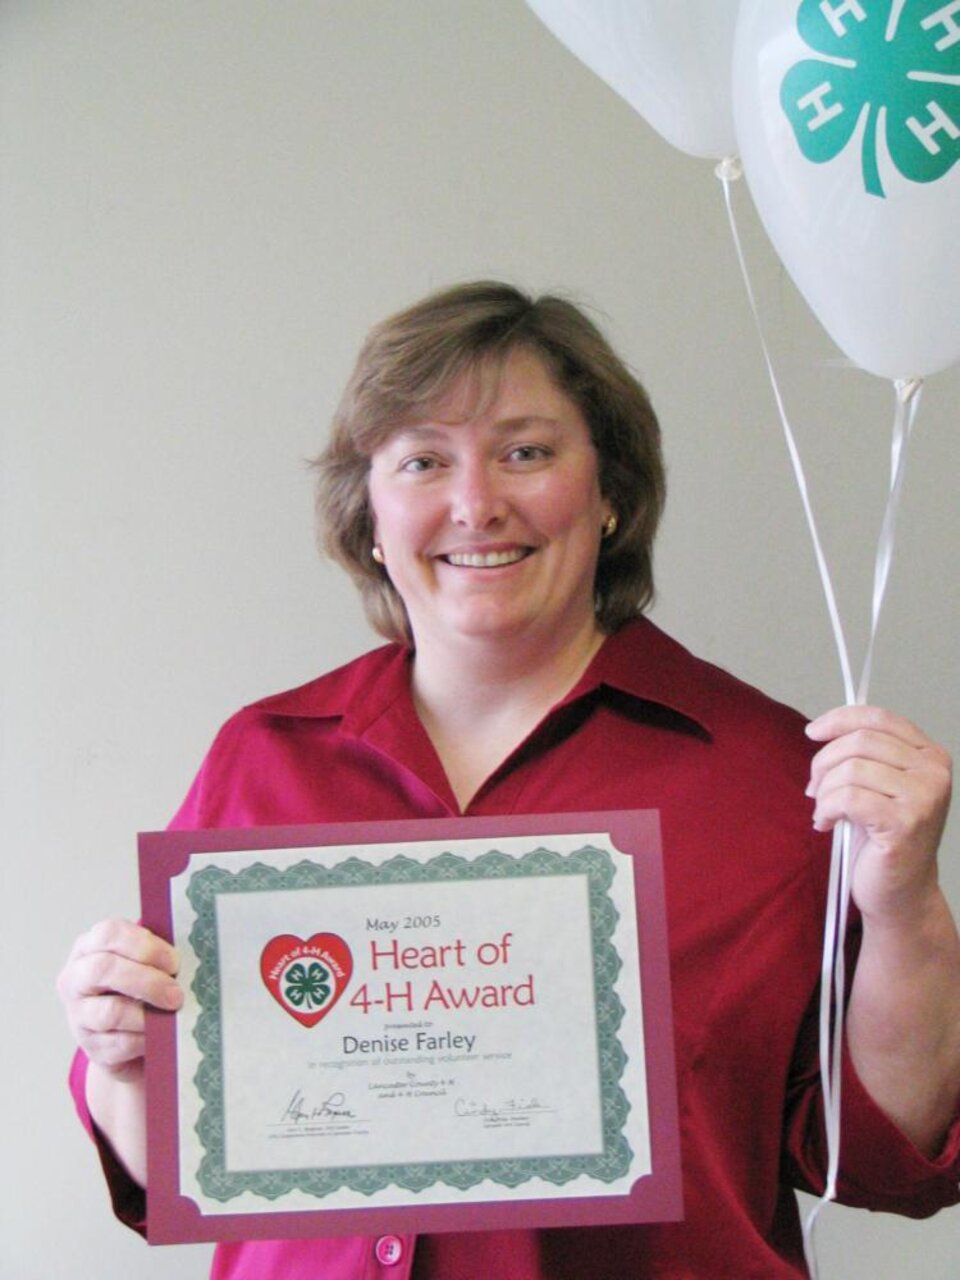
(490, 524)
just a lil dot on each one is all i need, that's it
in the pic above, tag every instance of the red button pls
(389, 1250)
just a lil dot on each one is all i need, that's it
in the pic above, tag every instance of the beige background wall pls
(203, 206)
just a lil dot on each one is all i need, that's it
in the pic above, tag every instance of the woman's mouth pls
(486, 559)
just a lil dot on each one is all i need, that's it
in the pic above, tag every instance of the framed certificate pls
(418, 1026)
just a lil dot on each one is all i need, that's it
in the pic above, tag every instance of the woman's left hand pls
(903, 1021)
(884, 775)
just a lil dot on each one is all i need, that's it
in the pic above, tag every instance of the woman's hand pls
(892, 782)
(112, 972)
(888, 778)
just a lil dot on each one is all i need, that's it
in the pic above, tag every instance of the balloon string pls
(724, 173)
(908, 401)
(847, 840)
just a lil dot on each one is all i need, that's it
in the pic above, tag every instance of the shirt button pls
(389, 1250)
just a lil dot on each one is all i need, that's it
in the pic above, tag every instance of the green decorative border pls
(611, 1163)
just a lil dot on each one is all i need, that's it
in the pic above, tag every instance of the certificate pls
(418, 1026)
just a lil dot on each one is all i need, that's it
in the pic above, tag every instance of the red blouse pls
(647, 726)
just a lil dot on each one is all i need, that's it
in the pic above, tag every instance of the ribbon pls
(847, 840)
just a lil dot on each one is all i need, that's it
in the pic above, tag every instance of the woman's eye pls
(422, 462)
(527, 453)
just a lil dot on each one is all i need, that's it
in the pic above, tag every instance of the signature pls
(508, 1107)
(298, 1109)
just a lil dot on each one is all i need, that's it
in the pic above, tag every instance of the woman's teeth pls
(484, 559)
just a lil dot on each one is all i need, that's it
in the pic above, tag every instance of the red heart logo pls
(306, 977)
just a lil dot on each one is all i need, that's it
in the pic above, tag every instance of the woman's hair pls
(408, 364)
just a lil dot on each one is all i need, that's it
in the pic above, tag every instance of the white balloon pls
(850, 138)
(670, 59)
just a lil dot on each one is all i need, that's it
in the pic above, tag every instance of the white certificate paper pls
(441, 1023)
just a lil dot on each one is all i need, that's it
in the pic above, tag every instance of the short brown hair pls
(411, 360)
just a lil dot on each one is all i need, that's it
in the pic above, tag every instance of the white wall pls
(203, 206)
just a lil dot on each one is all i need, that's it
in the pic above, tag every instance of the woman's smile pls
(494, 559)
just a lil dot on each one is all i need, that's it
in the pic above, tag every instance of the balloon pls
(670, 59)
(848, 120)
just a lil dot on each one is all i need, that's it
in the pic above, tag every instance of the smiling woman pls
(443, 362)
(493, 483)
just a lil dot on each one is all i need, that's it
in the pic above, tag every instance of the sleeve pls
(127, 1196)
(880, 1168)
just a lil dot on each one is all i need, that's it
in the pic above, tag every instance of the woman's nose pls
(477, 499)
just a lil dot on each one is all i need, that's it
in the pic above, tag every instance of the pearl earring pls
(610, 526)
(377, 553)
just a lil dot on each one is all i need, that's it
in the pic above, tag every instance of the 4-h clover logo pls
(306, 976)
(893, 65)
(307, 986)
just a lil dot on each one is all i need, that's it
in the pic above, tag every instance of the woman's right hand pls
(115, 969)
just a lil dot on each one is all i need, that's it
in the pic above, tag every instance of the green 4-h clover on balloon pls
(307, 985)
(896, 67)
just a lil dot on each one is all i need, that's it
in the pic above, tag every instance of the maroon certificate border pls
(655, 1197)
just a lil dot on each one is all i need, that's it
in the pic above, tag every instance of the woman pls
(493, 484)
